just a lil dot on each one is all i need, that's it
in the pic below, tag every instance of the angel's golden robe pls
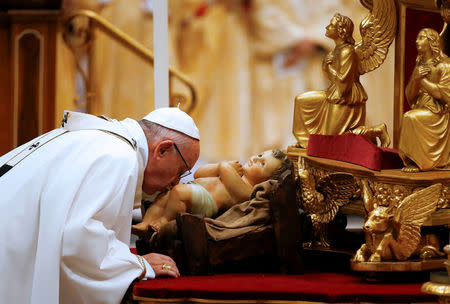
(424, 135)
(340, 107)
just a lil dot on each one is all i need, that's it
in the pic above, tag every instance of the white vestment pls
(65, 214)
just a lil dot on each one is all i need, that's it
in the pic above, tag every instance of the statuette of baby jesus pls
(215, 188)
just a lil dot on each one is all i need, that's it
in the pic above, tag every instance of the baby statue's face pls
(260, 167)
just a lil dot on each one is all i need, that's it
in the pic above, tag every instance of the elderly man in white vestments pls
(67, 199)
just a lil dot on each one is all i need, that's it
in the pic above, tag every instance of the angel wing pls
(378, 30)
(412, 213)
(337, 189)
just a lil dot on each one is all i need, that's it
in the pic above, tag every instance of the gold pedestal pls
(387, 188)
(409, 265)
(386, 180)
(439, 285)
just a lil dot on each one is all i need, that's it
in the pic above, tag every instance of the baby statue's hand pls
(237, 166)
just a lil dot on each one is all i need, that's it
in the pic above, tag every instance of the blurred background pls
(246, 58)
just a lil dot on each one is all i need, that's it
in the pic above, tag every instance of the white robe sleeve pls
(96, 263)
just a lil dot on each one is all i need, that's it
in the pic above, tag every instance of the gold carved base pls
(439, 285)
(439, 289)
(410, 265)
(388, 192)
(389, 186)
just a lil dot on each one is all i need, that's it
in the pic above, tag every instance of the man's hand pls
(162, 265)
(237, 166)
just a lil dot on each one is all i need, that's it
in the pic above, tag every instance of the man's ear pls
(163, 147)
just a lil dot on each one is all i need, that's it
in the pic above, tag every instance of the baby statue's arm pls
(210, 170)
(239, 190)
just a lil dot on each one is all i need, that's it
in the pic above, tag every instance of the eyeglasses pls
(187, 167)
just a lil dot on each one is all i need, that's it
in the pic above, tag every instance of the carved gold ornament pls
(393, 233)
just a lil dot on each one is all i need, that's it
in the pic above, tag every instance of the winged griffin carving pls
(393, 233)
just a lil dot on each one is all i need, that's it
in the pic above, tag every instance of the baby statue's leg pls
(179, 200)
(164, 209)
(154, 212)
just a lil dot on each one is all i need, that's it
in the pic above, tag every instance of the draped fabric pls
(243, 218)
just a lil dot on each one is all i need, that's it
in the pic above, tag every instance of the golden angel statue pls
(425, 135)
(341, 107)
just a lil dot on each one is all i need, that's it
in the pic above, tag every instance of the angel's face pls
(422, 43)
(332, 29)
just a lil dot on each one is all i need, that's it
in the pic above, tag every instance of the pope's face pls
(422, 43)
(165, 169)
(158, 177)
(260, 167)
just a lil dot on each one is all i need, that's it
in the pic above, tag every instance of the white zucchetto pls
(174, 119)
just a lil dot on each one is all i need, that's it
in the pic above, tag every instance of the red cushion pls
(328, 287)
(355, 149)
